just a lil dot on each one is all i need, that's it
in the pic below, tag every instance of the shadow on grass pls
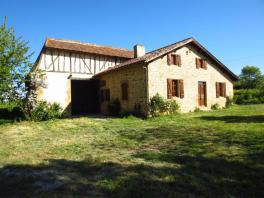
(235, 119)
(193, 176)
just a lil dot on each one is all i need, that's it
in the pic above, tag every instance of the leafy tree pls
(250, 78)
(14, 64)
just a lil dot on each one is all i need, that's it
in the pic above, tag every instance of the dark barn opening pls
(84, 96)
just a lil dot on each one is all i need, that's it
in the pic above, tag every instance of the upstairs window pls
(124, 88)
(220, 89)
(174, 59)
(175, 88)
(200, 63)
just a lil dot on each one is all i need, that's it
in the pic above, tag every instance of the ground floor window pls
(175, 88)
(220, 89)
(202, 94)
(124, 89)
(105, 95)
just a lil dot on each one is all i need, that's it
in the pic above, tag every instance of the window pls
(174, 59)
(175, 88)
(220, 89)
(105, 95)
(124, 88)
(201, 63)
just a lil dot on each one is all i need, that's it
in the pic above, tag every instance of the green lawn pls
(204, 154)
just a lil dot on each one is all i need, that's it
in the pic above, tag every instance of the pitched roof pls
(88, 48)
(148, 57)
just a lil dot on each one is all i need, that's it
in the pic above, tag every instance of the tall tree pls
(14, 64)
(250, 77)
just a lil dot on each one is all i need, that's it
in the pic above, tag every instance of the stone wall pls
(159, 72)
(136, 77)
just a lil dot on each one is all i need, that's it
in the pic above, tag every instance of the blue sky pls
(232, 30)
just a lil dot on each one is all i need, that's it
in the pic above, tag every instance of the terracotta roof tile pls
(88, 48)
(164, 50)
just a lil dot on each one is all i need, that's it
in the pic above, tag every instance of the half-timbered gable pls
(73, 57)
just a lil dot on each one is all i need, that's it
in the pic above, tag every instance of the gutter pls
(147, 87)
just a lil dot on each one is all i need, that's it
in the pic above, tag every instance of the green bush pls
(248, 96)
(215, 106)
(159, 106)
(45, 111)
(229, 102)
(11, 111)
(173, 106)
(197, 109)
(114, 107)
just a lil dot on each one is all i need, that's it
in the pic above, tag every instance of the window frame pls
(175, 88)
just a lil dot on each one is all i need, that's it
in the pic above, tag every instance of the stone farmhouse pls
(84, 78)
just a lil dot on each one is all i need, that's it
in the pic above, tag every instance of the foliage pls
(11, 111)
(197, 109)
(114, 107)
(229, 102)
(34, 81)
(215, 106)
(45, 111)
(173, 106)
(248, 96)
(249, 78)
(14, 64)
(159, 106)
(206, 154)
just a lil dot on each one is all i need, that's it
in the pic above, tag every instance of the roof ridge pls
(88, 44)
(190, 38)
(150, 56)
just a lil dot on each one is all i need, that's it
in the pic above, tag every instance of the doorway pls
(202, 93)
(84, 96)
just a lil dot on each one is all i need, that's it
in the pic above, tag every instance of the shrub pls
(197, 109)
(11, 111)
(114, 107)
(248, 96)
(173, 106)
(215, 106)
(229, 102)
(159, 106)
(45, 111)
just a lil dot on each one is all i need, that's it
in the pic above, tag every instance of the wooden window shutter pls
(181, 88)
(169, 88)
(217, 88)
(169, 59)
(224, 89)
(124, 87)
(107, 95)
(102, 95)
(198, 63)
(178, 60)
(204, 62)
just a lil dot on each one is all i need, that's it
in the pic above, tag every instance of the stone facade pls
(135, 76)
(159, 71)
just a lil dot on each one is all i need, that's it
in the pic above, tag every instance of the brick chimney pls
(139, 50)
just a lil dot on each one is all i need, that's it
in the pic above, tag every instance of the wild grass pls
(209, 154)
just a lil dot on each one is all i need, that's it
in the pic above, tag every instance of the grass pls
(203, 154)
